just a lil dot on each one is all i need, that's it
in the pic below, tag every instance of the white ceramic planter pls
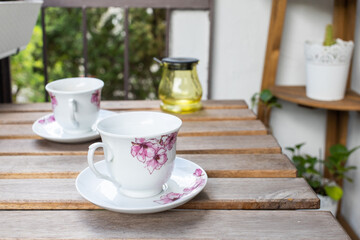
(327, 69)
(17, 20)
(328, 204)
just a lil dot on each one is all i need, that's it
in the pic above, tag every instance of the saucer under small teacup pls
(47, 127)
(186, 181)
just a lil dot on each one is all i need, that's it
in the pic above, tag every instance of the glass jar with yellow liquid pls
(180, 89)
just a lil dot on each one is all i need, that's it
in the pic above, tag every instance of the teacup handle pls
(108, 158)
(73, 110)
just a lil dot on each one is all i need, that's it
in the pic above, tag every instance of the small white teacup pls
(75, 102)
(139, 149)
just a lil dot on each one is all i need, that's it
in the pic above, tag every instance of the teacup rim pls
(47, 86)
(137, 136)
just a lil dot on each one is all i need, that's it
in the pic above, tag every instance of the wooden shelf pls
(296, 94)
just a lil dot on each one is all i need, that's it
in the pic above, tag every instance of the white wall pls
(238, 57)
(190, 38)
(240, 37)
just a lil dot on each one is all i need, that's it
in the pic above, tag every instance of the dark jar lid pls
(180, 63)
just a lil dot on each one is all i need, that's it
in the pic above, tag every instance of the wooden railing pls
(169, 5)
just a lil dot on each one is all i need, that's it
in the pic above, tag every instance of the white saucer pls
(186, 181)
(48, 128)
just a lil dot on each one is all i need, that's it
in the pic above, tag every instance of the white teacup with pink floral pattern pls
(139, 149)
(75, 103)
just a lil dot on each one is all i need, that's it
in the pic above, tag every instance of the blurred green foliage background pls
(105, 36)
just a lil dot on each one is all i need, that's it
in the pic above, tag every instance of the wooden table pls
(250, 180)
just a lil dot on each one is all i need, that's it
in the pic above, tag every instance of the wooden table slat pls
(256, 144)
(236, 193)
(124, 105)
(205, 115)
(176, 224)
(193, 128)
(216, 165)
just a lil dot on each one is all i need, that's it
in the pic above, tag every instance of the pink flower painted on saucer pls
(153, 151)
(54, 102)
(198, 172)
(95, 98)
(47, 120)
(171, 197)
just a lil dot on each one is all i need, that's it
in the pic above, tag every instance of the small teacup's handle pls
(73, 109)
(108, 158)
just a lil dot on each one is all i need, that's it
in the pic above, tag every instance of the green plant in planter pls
(335, 163)
(329, 36)
(268, 100)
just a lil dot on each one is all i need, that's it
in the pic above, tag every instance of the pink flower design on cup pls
(153, 151)
(143, 149)
(168, 141)
(169, 198)
(54, 102)
(157, 161)
(95, 98)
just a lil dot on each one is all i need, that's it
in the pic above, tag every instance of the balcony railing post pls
(5, 81)
(167, 36)
(126, 54)
(85, 45)
(44, 48)
(211, 32)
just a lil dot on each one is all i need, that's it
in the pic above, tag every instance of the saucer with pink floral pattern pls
(186, 181)
(48, 128)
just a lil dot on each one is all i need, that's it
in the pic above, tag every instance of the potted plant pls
(327, 67)
(268, 101)
(328, 189)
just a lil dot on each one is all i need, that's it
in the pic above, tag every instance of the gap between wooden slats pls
(215, 165)
(175, 224)
(210, 128)
(254, 144)
(219, 193)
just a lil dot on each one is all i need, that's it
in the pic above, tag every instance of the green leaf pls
(298, 146)
(254, 100)
(335, 192)
(349, 179)
(339, 149)
(265, 95)
(353, 150)
(278, 105)
(290, 149)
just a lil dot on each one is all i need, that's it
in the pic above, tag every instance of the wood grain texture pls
(192, 128)
(219, 193)
(296, 94)
(344, 21)
(204, 115)
(215, 165)
(176, 224)
(124, 105)
(277, 18)
(347, 227)
(185, 145)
